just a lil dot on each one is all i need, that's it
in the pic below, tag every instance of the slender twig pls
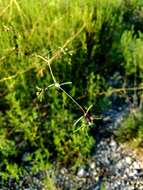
(115, 90)
(64, 83)
(80, 107)
(18, 73)
(88, 109)
(49, 86)
(5, 9)
(78, 121)
(48, 62)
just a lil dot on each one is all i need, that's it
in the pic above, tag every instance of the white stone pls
(127, 170)
(63, 171)
(81, 172)
(136, 165)
(131, 174)
(128, 160)
(113, 144)
(92, 165)
(94, 173)
(119, 165)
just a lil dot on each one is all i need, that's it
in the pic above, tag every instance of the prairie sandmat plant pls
(86, 42)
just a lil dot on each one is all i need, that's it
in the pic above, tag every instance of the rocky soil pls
(111, 167)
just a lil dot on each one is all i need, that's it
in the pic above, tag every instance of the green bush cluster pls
(131, 130)
(90, 41)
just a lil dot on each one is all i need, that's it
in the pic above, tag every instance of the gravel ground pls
(110, 164)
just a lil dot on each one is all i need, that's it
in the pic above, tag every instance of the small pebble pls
(92, 165)
(81, 172)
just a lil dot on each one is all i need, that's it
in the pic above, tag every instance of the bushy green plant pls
(132, 128)
(34, 132)
(48, 183)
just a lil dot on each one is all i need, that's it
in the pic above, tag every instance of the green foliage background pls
(93, 39)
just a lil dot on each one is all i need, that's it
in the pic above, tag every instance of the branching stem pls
(58, 85)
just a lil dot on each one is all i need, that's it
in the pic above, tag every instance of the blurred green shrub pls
(131, 129)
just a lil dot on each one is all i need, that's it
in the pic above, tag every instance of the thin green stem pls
(77, 120)
(88, 109)
(64, 83)
(81, 108)
(52, 74)
(51, 85)
(46, 60)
